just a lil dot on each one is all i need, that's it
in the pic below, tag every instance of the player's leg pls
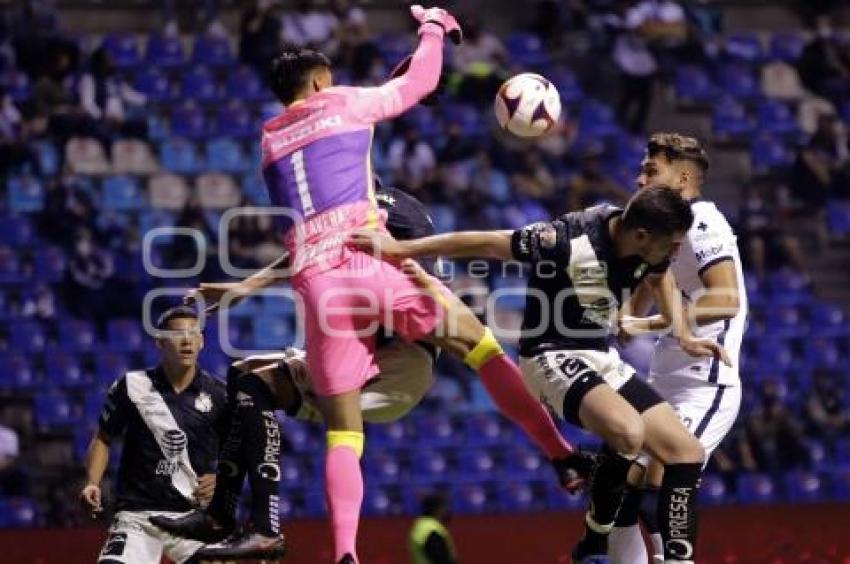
(128, 542)
(625, 543)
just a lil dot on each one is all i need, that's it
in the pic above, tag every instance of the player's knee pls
(685, 449)
(486, 349)
(627, 433)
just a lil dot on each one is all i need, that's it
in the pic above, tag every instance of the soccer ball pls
(527, 105)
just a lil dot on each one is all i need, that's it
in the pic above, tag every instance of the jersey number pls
(301, 182)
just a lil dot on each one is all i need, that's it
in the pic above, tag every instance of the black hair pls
(291, 70)
(677, 147)
(176, 312)
(433, 503)
(659, 210)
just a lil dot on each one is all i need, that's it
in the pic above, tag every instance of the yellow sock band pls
(487, 348)
(353, 439)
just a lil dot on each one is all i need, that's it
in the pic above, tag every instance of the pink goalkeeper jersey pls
(316, 158)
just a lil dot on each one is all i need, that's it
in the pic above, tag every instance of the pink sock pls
(503, 381)
(344, 490)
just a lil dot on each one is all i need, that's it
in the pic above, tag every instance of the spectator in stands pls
(207, 11)
(533, 178)
(252, 241)
(259, 36)
(14, 480)
(67, 209)
(822, 168)
(429, 541)
(455, 146)
(825, 64)
(355, 49)
(773, 438)
(309, 26)
(480, 63)
(637, 68)
(105, 97)
(827, 412)
(15, 152)
(592, 185)
(411, 159)
(766, 243)
(488, 180)
(183, 252)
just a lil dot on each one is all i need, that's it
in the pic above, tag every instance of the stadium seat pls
(77, 336)
(212, 51)
(236, 122)
(201, 86)
(133, 156)
(558, 499)
(838, 217)
(787, 46)
(179, 155)
(526, 462)
(429, 465)
(64, 370)
(823, 352)
(151, 219)
(168, 191)
(521, 496)
(300, 436)
(26, 194)
(17, 85)
(124, 335)
(53, 409)
(16, 230)
(165, 52)
(827, 319)
(486, 429)
(444, 218)
(155, 85)
(597, 119)
(17, 374)
(48, 157)
(226, 155)
(124, 49)
(739, 81)
(477, 463)
(272, 332)
(756, 488)
(568, 85)
(712, 490)
(730, 121)
(694, 86)
(769, 153)
(396, 434)
(244, 84)
(188, 121)
(254, 188)
(85, 155)
(473, 498)
(744, 46)
(18, 512)
(437, 429)
(217, 191)
(122, 193)
(382, 466)
(10, 267)
(776, 118)
(802, 486)
(526, 49)
(28, 337)
(109, 366)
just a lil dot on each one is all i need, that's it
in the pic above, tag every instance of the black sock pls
(606, 494)
(630, 508)
(230, 474)
(677, 510)
(261, 447)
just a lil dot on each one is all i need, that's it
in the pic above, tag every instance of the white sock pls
(625, 546)
(657, 548)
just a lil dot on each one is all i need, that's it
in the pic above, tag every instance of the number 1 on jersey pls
(301, 182)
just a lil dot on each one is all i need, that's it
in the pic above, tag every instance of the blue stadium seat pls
(382, 501)
(155, 85)
(179, 155)
(841, 483)
(237, 122)
(254, 188)
(48, 157)
(827, 320)
(53, 409)
(244, 84)
(124, 335)
(188, 121)
(744, 46)
(382, 466)
(17, 374)
(775, 355)
(17, 85)
(158, 128)
(712, 490)
(444, 217)
(92, 406)
(568, 85)
(226, 155)
(473, 498)
(526, 462)
(212, 51)
(739, 81)
(124, 49)
(16, 230)
(200, 85)
(776, 118)
(526, 49)
(10, 267)
(300, 436)
(272, 332)
(25, 195)
(558, 499)
(509, 292)
(396, 434)
(437, 430)
(838, 217)
(770, 153)
(394, 47)
(802, 486)
(756, 488)
(109, 366)
(50, 264)
(28, 336)
(315, 504)
(694, 86)
(597, 119)
(468, 117)
(787, 46)
(64, 369)
(18, 513)
(429, 465)
(122, 193)
(521, 496)
(487, 429)
(477, 463)
(730, 121)
(165, 52)
(786, 321)
(823, 352)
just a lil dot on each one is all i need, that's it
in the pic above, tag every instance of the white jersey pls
(709, 241)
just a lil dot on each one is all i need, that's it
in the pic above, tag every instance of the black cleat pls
(197, 525)
(246, 546)
(347, 559)
(575, 471)
(582, 555)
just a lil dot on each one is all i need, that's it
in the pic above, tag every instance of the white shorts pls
(707, 410)
(550, 375)
(132, 539)
(406, 373)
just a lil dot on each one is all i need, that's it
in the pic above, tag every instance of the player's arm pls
(211, 293)
(461, 244)
(721, 299)
(97, 460)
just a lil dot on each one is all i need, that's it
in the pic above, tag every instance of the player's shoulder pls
(212, 384)
(708, 220)
(589, 220)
